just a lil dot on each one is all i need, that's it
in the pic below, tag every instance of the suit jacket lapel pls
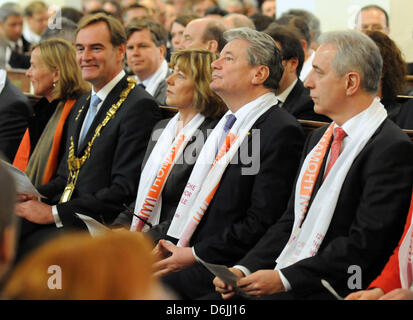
(79, 114)
(289, 103)
(247, 141)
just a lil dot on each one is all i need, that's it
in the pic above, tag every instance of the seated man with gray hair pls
(256, 147)
(352, 192)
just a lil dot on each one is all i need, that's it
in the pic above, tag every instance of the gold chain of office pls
(74, 163)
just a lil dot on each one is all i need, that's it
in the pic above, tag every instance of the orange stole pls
(51, 164)
(21, 159)
(23, 153)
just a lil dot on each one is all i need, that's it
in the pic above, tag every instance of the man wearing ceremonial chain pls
(107, 135)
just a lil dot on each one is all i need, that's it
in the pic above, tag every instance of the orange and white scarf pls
(162, 159)
(308, 234)
(209, 168)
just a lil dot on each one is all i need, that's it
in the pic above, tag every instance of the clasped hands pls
(31, 209)
(257, 284)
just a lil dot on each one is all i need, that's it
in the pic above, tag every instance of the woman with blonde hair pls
(177, 142)
(55, 76)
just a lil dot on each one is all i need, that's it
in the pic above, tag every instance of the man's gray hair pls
(262, 51)
(10, 9)
(356, 52)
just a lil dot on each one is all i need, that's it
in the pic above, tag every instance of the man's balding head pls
(204, 33)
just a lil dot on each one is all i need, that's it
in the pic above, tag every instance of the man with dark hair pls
(15, 110)
(145, 53)
(373, 17)
(313, 23)
(204, 33)
(11, 27)
(107, 134)
(293, 96)
(303, 30)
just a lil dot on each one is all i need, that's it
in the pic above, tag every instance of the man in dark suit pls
(292, 94)
(255, 186)
(15, 112)
(11, 25)
(366, 191)
(100, 170)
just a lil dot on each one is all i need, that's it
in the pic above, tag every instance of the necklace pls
(75, 163)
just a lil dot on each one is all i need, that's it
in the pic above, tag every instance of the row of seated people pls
(260, 155)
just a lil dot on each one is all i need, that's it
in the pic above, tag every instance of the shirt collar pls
(307, 67)
(13, 44)
(351, 125)
(242, 112)
(284, 95)
(152, 82)
(104, 92)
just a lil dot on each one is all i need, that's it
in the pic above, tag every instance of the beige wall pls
(401, 26)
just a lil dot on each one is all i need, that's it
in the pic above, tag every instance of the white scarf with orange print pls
(209, 168)
(163, 157)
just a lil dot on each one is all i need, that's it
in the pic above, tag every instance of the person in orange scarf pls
(56, 77)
